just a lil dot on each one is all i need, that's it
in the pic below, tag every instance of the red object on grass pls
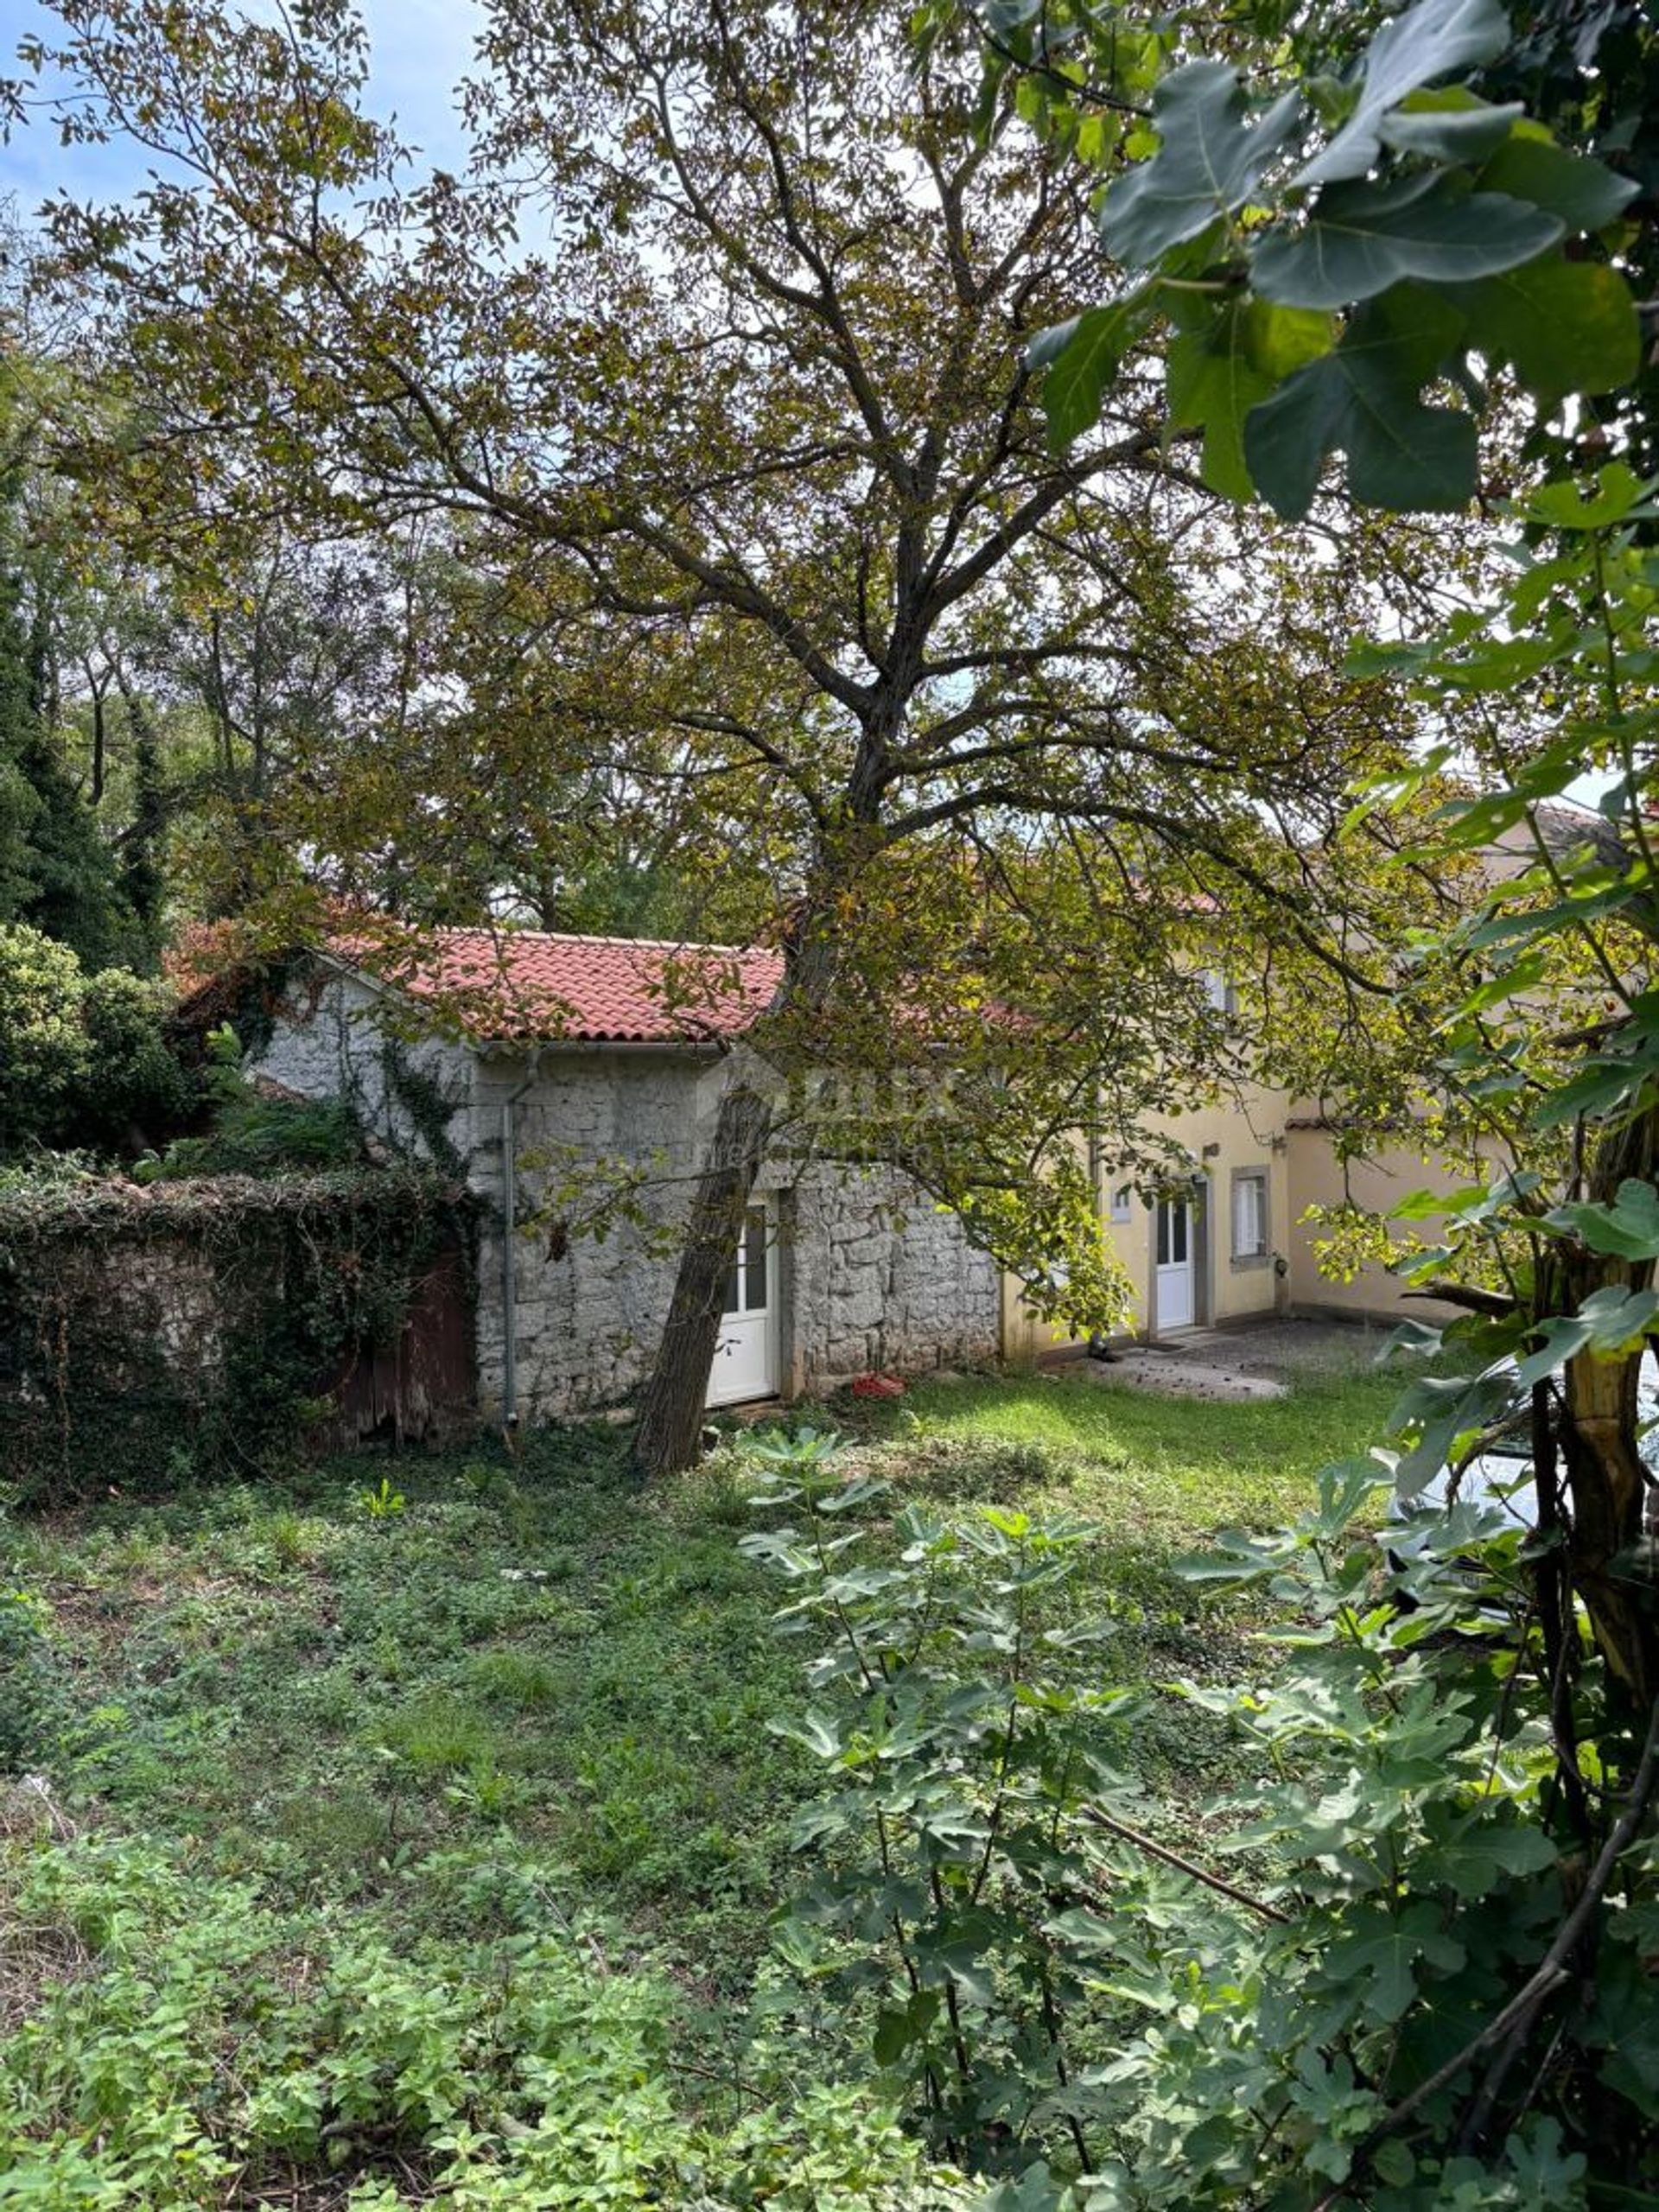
(877, 1386)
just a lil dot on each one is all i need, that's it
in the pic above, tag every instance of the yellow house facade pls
(1231, 1243)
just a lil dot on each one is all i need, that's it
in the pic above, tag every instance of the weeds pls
(550, 1696)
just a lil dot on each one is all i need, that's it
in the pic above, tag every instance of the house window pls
(1221, 992)
(1123, 1198)
(1250, 1214)
(745, 1286)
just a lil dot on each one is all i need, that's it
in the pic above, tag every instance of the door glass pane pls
(733, 1296)
(1177, 1236)
(1163, 1232)
(755, 1258)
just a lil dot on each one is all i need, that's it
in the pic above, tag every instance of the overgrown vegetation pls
(500, 1760)
(84, 1061)
(153, 1337)
(251, 1133)
(1058, 1987)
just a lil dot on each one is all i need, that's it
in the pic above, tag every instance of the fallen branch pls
(1162, 1852)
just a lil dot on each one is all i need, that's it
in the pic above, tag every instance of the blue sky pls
(420, 49)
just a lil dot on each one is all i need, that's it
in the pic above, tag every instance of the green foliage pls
(1211, 160)
(944, 1842)
(1444, 232)
(47, 1050)
(1435, 234)
(32, 1692)
(429, 1107)
(383, 1502)
(134, 1084)
(143, 873)
(944, 718)
(1066, 1995)
(42, 1174)
(57, 875)
(536, 1697)
(206, 2043)
(84, 1061)
(252, 1133)
(347, 1807)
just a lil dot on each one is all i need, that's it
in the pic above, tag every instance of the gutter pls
(509, 1254)
(702, 1047)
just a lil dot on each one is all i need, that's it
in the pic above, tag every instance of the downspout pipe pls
(509, 1231)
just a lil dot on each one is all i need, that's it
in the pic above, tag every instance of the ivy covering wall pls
(151, 1336)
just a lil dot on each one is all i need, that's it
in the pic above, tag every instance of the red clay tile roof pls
(594, 989)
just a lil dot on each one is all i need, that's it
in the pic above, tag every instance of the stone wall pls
(154, 1334)
(330, 1040)
(589, 1306)
(873, 1275)
(111, 1348)
(878, 1277)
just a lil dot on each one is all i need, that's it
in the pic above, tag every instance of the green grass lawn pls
(303, 1685)
(1160, 1471)
(314, 1690)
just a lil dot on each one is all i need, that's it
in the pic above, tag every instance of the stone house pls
(566, 1077)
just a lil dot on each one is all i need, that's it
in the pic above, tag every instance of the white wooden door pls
(1175, 1306)
(746, 1354)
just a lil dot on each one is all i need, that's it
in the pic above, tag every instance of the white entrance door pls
(1174, 1264)
(746, 1354)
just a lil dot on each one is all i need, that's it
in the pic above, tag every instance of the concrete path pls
(1254, 1361)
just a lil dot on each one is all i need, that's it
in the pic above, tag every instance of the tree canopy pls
(56, 872)
(712, 371)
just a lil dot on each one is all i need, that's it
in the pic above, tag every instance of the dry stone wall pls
(882, 1279)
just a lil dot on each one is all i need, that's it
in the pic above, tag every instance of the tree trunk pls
(671, 1415)
(1607, 1482)
(100, 738)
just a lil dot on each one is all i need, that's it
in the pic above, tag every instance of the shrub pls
(254, 1135)
(45, 1051)
(83, 1058)
(1391, 1994)
(136, 1091)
